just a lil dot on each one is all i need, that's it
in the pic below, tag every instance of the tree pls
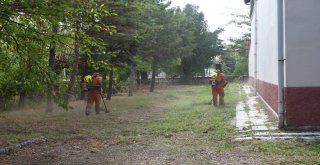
(121, 46)
(207, 45)
(52, 56)
(236, 53)
(22, 37)
(119, 38)
(85, 15)
(26, 35)
(165, 40)
(236, 56)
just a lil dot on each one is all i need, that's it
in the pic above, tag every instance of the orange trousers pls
(217, 91)
(93, 97)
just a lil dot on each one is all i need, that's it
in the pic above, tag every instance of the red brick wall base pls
(268, 92)
(302, 104)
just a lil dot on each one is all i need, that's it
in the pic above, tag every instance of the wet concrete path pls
(254, 122)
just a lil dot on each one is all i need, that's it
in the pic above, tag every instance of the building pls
(284, 59)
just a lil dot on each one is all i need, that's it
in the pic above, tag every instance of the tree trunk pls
(187, 75)
(144, 78)
(109, 94)
(187, 79)
(23, 92)
(52, 56)
(83, 64)
(138, 80)
(154, 72)
(132, 79)
(22, 99)
(75, 68)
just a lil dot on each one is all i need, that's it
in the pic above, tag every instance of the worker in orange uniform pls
(94, 93)
(217, 82)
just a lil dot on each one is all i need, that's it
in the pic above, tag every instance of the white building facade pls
(299, 80)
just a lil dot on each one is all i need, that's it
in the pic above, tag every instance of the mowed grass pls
(177, 115)
(191, 111)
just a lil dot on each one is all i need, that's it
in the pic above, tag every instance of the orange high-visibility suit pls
(94, 94)
(217, 84)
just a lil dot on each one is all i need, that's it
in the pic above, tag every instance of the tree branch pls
(4, 25)
(20, 24)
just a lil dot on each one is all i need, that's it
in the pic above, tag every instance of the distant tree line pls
(122, 39)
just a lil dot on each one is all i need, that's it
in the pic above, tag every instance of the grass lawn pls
(174, 115)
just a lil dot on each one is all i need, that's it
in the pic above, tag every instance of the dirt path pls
(128, 141)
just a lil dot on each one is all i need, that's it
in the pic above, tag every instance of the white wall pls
(252, 48)
(267, 55)
(302, 36)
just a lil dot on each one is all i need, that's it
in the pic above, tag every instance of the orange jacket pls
(97, 81)
(219, 80)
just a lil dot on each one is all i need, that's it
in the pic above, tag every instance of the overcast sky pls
(218, 13)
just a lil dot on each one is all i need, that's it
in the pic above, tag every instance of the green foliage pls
(207, 45)
(26, 35)
(177, 41)
(235, 56)
(120, 79)
(108, 35)
(143, 64)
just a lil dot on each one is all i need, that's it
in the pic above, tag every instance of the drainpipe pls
(280, 64)
(255, 44)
